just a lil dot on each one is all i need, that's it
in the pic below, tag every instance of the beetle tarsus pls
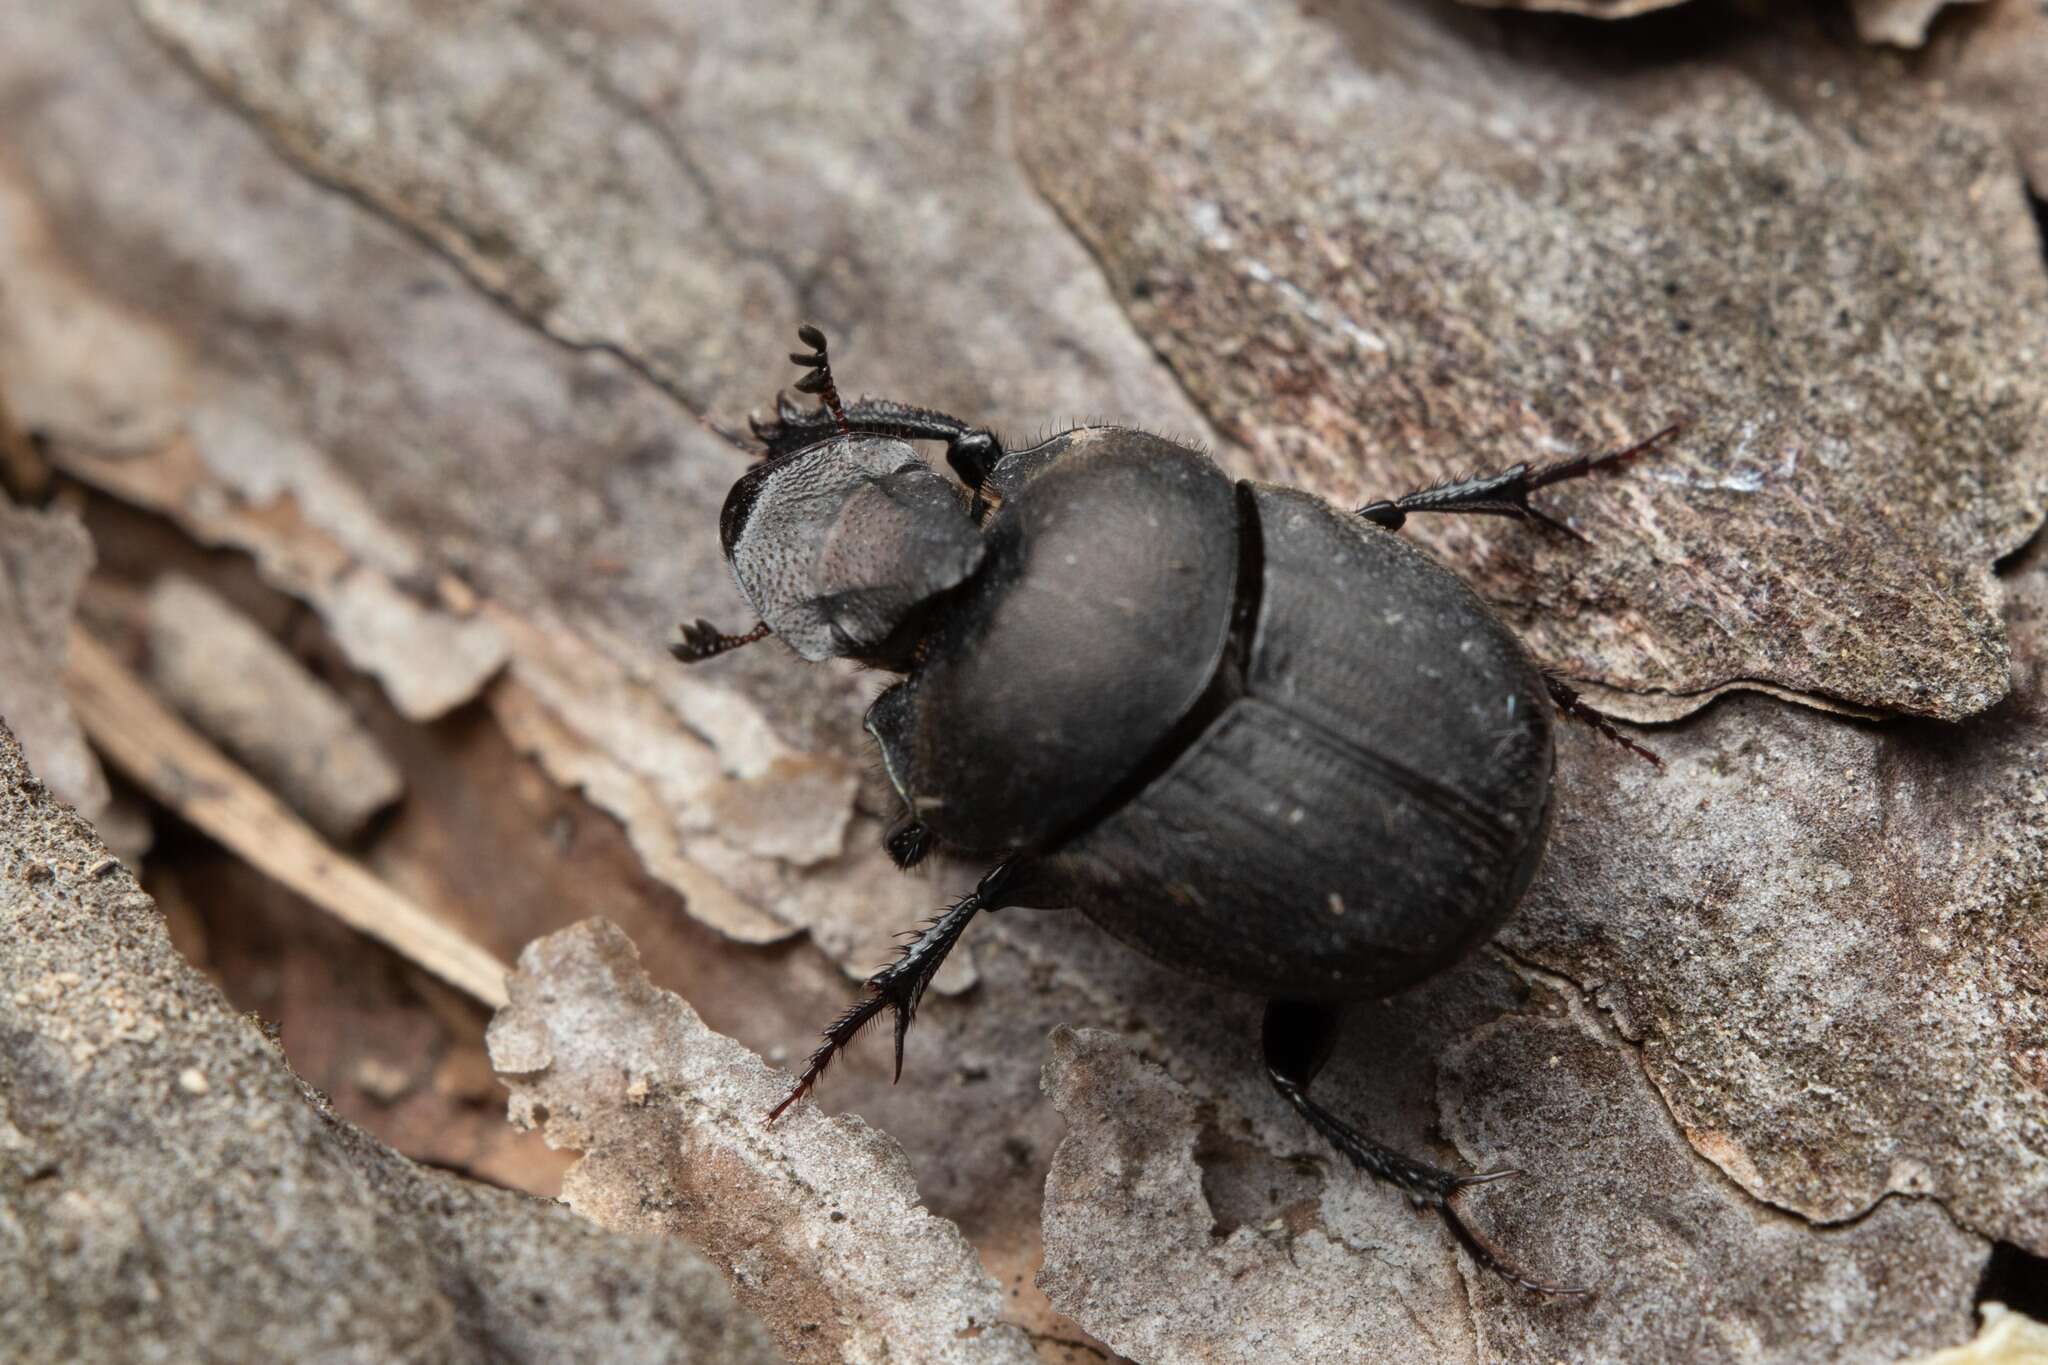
(1297, 1038)
(1488, 1252)
(702, 640)
(1572, 704)
(900, 985)
(1580, 465)
(1506, 494)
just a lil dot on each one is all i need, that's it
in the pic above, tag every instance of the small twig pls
(177, 765)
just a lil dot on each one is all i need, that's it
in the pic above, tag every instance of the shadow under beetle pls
(1266, 741)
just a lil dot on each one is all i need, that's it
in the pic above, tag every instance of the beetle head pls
(839, 544)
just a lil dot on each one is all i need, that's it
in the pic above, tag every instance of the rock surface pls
(1830, 939)
(1992, 65)
(44, 558)
(817, 1219)
(171, 1192)
(461, 407)
(1902, 23)
(1393, 246)
(1683, 1269)
(1144, 1243)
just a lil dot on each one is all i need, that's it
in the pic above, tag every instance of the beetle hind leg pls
(1297, 1039)
(899, 986)
(1567, 700)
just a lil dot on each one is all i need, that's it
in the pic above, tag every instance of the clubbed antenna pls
(819, 380)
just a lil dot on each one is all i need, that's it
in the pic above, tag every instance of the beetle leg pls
(1505, 494)
(794, 427)
(971, 451)
(900, 985)
(1568, 701)
(1297, 1038)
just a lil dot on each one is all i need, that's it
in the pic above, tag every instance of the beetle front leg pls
(1505, 494)
(900, 986)
(1297, 1038)
(971, 451)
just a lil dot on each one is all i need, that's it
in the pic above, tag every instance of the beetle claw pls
(1550, 523)
(1488, 1252)
(890, 989)
(898, 987)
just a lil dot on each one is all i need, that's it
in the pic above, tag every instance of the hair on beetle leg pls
(1568, 700)
(900, 986)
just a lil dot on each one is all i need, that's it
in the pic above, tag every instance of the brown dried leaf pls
(817, 1219)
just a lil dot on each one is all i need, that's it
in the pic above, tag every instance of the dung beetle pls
(1267, 741)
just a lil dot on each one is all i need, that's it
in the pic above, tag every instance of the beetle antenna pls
(818, 380)
(703, 640)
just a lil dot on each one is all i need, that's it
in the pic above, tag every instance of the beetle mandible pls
(1266, 741)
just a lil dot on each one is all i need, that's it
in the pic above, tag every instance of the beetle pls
(1265, 740)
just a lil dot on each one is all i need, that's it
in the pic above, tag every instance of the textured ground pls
(428, 314)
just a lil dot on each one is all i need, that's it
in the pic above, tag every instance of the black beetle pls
(1266, 741)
